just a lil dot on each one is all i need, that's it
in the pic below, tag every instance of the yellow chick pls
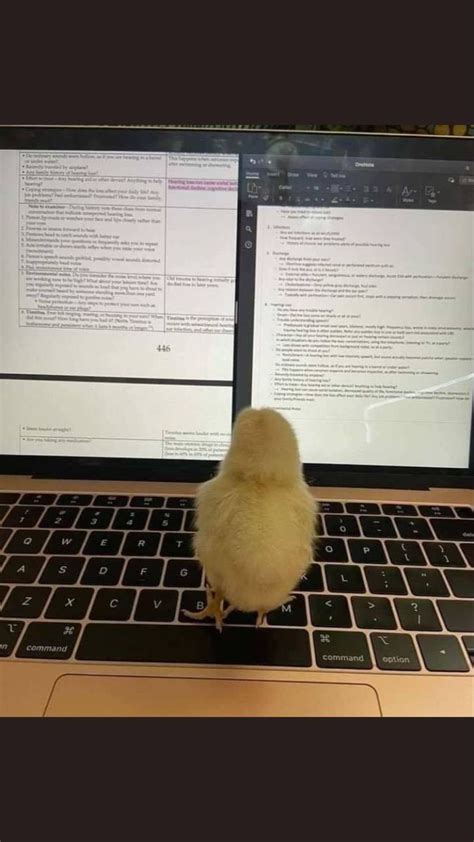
(255, 520)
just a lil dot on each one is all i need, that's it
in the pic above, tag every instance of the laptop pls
(152, 283)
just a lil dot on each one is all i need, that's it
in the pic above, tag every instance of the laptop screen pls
(356, 297)
(117, 316)
(135, 266)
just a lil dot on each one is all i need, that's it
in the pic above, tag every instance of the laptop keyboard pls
(107, 578)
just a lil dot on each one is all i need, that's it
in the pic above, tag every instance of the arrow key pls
(373, 613)
(442, 653)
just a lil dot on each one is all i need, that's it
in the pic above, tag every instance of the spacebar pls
(270, 647)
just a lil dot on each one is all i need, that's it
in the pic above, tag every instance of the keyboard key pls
(426, 582)
(3, 511)
(183, 574)
(190, 521)
(94, 519)
(9, 497)
(461, 583)
(413, 527)
(436, 511)
(113, 604)
(401, 509)
(373, 612)
(3, 559)
(21, 569)
(468, 641)
(147, 502)
(37, 499)
(417, 615)
(69, 603)
(442, 653)
(331, 549)
(114, 500)
(166, 519)
(53, 641)
(25, 602)
(177, 544)
(193, 601)
(465, 511)
(103, 571)
(378, 527)
(24, 516)
(468, 551)
(453, 529)
(27, 541)
(156, 606)
(181, 502)
(312, 580)
(395, 652)
(65, 542)
(342, 650)
(74, 500)
(57, 516)
(405, 552)
(130, 519)
(143, 572)
(292, 613)
(330, 611)
(141, 543)
(4, 536)
(62, 570)
(443, 555)
(345, 525)
(195, 644)
(363, 508)
(9, 634)
(458, 615)
(241, 618)
(3, 592)
(329, 507)
(344, 579)
(367, 552)
(103, 543)
(385, 580)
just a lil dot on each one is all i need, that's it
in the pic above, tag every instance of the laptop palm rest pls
(78, 695)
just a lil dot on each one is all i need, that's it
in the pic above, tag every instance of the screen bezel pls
(233, 141)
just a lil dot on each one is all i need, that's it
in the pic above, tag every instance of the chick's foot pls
(213, 609)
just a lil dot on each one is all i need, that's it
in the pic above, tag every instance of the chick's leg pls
(212, 609)
(262, 614)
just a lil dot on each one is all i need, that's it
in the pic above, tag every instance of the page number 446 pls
(163, 347)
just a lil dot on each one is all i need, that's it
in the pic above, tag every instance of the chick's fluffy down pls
(256, 519)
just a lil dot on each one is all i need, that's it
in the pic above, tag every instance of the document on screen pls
(363, 332)
(146, 421)
(118, 263)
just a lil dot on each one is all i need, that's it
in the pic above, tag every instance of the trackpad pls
(84, 695)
